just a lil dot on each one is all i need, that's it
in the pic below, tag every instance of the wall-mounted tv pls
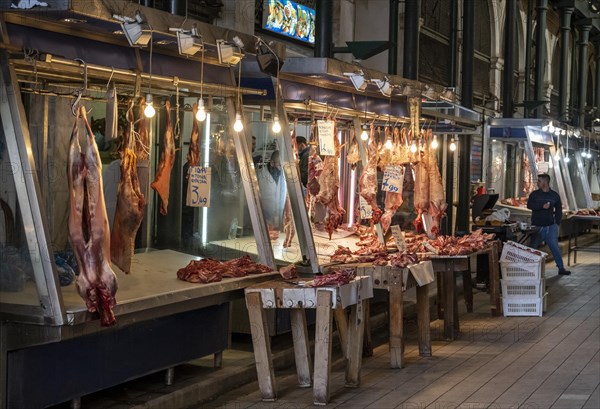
(289, 19)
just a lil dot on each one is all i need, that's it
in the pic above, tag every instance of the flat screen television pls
(289, 19)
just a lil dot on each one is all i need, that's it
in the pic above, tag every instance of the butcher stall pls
(121, 169)
(519, 150)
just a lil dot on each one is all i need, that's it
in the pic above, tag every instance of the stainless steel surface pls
(153, 283)
(560, 182)
(584, 181)
(294, 189)
(19, 149)
(251, 190)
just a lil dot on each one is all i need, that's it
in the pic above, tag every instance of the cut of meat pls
(288, 224)
(193, 156)
(130, 206)
(437, 200)
(88, 227)
(337, 278)
(209, 270)
(162, 181)
(368, 179)
(421, 197)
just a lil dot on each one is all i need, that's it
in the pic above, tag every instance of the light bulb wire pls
(202, 71)
(150, 63)
(239, 98)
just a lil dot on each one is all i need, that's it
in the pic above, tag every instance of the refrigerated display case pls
(48, 337)
(519, 150)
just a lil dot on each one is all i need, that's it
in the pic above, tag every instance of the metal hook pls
(112, 72)
(85, 76)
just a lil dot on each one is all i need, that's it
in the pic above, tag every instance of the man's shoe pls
(564, 272)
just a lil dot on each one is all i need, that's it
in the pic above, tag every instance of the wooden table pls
(395, 281)
(326, 300)
(446, 268)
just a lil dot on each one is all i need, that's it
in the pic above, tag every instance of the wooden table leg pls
(322, 348)
(301, 347)
(468, 289)
(368, 341)
(396, 327)
(449, 300)
(494, 270)
(341, 321)
(423, 318)
(439, 280)
(262, 347)
(355, 343)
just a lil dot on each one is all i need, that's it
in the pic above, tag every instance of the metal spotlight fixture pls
(137, 31)
(228, 53)
(188, 41)
(385, 87)
(358, 80)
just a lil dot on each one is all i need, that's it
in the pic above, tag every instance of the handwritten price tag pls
(393, 179)
(198, 193)
(366, 211)
(399, 238)
(326, 143)
(431, 248)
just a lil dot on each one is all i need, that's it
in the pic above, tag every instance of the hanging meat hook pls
(81, 90)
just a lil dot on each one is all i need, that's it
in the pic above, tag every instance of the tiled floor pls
(498, 362)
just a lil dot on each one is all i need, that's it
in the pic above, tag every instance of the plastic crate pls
(522, 288)
(521, 271)
(518, 253)
(523, 307)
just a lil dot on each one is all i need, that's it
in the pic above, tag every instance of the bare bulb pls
(434, 143)
(557, 156)
(413, 147)
(567, 159)
(388, 144)
(452, 145)
(201, 114)
(238, 126)
(276, 125)
(149, 111)
(364, 135)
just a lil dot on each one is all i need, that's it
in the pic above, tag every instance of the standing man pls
(303, 151)
(546, 213)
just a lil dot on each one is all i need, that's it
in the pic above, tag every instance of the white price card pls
(366, 211)
(431, 248)
(399, 238)
(198, 193)
(393, 179)
(326, 143)
(543, 167)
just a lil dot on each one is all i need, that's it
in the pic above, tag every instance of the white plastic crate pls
(521, 271)
(523, 307)
(518, 253)
(522, 288)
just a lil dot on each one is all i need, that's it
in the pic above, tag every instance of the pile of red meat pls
(337, 278)
(209, 270)
(449, 245)
(379, 257)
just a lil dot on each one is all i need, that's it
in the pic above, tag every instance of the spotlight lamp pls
(228, 53)
(188, 41)
(137, 31)
(385, 87)
(358, 80)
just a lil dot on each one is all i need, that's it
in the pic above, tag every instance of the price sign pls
(366, 211)
(326, 143)
(399, 238)
(393, 179)
(431, 248)
(198, 193)
(543, 167)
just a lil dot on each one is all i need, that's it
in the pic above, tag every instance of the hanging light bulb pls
(364, 135)
(567, 159)
(201, 114)
(413, 147)
(452, 145)
(434, 142)
(557, 156)
(238, 126)
(388, 144)
(149, 111)
(276, 125)
(551, 127)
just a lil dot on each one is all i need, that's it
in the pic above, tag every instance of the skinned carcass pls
(162, 181)
(368, 179)
(437, 199)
